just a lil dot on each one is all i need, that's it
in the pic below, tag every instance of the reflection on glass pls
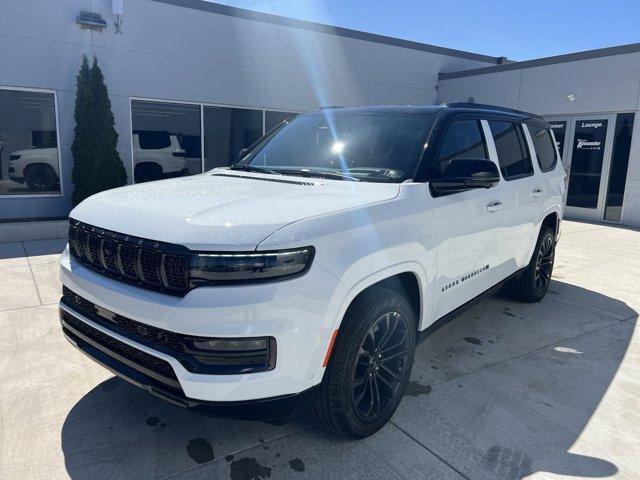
(166, 140)
(226, 132)
(28, 143)
(619, 166)
(586, 163)
(512, 149)
(273, 119)
(559, 129)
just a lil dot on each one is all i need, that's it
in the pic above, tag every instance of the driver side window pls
(464, 139)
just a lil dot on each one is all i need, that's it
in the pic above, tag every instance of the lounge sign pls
(593, 137)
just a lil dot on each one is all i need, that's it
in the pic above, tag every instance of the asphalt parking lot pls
(506, 391)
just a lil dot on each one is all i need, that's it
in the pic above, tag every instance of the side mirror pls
(461, 174)
(242, 153)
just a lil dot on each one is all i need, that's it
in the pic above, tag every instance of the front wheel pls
(533, 283)
(370, 364)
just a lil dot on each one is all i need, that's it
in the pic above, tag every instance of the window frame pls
(525, 138)
(201, 106)
(58, 148)
(428, 168)
(556, 152)
(478, 122)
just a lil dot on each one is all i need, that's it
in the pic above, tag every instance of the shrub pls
(96, 162)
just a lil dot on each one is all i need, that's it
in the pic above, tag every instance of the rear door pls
(468, 224)
(522, 193)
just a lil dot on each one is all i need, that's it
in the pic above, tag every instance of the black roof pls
(432, 109)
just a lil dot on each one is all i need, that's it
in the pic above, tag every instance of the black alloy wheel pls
(532, 283)
(370, 364)
(544, 263)
(380, 367)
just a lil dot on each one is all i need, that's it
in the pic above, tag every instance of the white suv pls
(307, 273)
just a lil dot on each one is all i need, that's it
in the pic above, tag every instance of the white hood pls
(223, 210)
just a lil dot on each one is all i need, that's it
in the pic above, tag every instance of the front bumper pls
(170, 391)
(299, 313)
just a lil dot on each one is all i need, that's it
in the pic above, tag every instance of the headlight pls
(14, 157)
(254, 267)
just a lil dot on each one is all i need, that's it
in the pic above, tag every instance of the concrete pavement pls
(506, 391)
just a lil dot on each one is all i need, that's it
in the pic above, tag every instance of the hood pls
(223, 210)
(32, 151)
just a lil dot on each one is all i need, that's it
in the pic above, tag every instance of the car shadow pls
(503, 391)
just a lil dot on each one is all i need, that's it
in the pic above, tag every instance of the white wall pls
(176, 53)
(600, 85)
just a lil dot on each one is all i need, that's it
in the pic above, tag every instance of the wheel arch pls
(551, 219)
(32, 165)
(407, 278)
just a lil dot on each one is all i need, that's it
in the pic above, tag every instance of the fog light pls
(232, 345)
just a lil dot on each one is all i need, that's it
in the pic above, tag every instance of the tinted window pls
(559, 130)
(44, 139)
(169, 140)
(377, 147)
(619, 166)
(28, 144)
(273, 119)
(226, 132)
(153, 140)
(511, 146)
(587, 158)
(543, 145)
(463, 139)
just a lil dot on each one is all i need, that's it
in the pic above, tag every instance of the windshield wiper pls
(321, 174)
(251, 168)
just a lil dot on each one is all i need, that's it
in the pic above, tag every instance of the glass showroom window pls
(226, 132)
(273, 119)
(165, 140)
(29, 161)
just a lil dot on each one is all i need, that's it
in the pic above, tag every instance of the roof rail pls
(484, 106)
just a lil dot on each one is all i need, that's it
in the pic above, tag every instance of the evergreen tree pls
(96, 163)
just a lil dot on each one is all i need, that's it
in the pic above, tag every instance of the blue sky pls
(517, 29)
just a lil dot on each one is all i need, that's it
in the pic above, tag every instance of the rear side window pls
(513, 154)
(152, 140)
(544, 147)
(463, 139)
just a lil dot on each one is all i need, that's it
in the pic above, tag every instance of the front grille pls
(145, 263)
(175, 344)
(132, 354)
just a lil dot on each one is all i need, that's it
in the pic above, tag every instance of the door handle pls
(494, 206)
(537, 192)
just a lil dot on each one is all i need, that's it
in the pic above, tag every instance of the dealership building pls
(192, 82)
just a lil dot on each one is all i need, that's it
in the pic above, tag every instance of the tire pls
(147, 172)
(362, 352)
(40, 178)
(532, 285)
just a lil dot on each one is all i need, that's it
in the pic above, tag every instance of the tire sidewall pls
(544, 233)
(384, 301)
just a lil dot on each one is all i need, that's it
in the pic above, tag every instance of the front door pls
(468, 225)
(589, 156)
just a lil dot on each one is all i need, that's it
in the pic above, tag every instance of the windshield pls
(375, 147)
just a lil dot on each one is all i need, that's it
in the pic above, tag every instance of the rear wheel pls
(370, 364)
(41, 178)
(533, 283)
(147, 172)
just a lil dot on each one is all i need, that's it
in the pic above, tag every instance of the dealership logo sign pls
(588, 144)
